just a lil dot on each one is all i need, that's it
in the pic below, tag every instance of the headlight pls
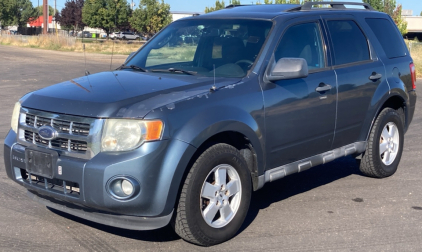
(15, 117)
(124, 135)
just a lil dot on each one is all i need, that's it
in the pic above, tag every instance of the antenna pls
(86, 71)
(112, 51)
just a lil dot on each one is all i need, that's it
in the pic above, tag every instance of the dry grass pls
(416, 53)
(52, 42)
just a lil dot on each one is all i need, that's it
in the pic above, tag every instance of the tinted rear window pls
(349, 43)
(388, 37)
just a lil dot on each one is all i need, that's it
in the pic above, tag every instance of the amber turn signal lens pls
(154, 129)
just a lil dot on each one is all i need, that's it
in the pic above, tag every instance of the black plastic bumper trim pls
(120, 221)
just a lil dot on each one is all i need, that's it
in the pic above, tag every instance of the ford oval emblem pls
(47, 132)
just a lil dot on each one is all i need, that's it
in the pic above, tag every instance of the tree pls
(151, 16)
(235, 2)
(105, 14)
(389, 7)
(401, 24)
(376, 4)
(70, 17)
(218, 6)
(16, 12)
(40, 10)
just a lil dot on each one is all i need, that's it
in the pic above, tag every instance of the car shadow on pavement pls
(299, 183)
(270, 193)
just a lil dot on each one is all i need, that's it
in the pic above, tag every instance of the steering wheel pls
(244, 61)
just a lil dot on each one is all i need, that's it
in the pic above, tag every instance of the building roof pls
(39, 21)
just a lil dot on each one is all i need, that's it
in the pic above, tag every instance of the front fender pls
(209, 123)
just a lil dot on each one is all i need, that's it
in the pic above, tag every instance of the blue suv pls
(211, 109)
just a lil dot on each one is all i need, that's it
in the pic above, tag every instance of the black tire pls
(189, 222)
(371, 163)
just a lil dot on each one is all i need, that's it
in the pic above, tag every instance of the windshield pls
(230, 46)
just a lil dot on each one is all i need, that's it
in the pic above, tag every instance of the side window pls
(387, 35)
(302, 41)
(349, 43)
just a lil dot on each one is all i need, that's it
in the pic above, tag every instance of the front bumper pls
(120, 221)
(78, 187)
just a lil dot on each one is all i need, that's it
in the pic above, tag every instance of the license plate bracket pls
(39, 163)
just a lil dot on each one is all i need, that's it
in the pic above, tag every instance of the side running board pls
(305, 164)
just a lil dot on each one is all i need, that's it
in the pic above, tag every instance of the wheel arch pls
(394, 100)
(238, 140)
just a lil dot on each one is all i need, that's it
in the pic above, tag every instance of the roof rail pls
(334, 5)
(235, 5)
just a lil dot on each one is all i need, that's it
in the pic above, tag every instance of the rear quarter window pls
(388, 36)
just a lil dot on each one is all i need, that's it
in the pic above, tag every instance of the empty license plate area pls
(39, 163)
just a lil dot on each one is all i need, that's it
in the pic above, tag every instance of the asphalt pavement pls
(331, 207)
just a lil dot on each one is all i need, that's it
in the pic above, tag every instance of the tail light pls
(413, 75)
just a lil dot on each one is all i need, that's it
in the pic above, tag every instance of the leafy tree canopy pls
(400, 22)
(151, 16)
(16, 12)
(218, 6)
(40, 10)
(105, 14)
(70, 17)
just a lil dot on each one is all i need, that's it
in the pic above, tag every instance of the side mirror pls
(130, 56)
(289, 68)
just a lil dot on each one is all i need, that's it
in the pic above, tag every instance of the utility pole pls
(54, 17)
(45, 16)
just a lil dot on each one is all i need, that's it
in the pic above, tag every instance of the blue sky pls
(199, 5)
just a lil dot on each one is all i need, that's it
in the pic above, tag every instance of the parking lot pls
(331, 207)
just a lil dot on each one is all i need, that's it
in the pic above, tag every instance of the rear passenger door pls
(358, 71)
(300, 120)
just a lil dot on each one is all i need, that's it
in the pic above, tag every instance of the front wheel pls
(385, 145)
(215, 197)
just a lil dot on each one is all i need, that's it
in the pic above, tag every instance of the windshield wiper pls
(134, 67)
(174, 70)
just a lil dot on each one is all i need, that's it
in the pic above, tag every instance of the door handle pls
(375, 76)
(323, 87)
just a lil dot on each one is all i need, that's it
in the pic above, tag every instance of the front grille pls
(61, 126)
(75, 134)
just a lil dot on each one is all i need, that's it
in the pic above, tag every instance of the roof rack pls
(334, 5)
(235, 5)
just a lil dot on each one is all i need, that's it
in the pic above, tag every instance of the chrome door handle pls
(375, 76)
(323, 87)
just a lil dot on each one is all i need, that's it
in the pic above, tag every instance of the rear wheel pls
(215, 197)
(385, 145)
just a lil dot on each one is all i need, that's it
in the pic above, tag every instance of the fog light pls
(123, 187)
(127, 187)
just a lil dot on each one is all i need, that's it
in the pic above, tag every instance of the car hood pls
(124, 93)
